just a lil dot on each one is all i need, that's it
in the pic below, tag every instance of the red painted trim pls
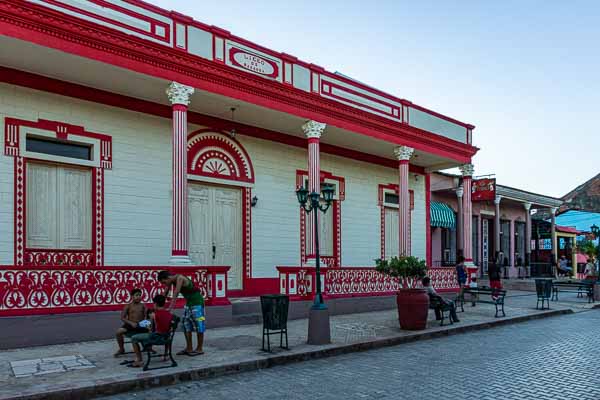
(39, 82)
(179, 252)
(153, 22)
(330, 93)
(60, 31)
(428, 218)
(256, 287)
(229, 146)
(28, 256)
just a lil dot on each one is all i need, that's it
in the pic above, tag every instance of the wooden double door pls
(216, 229)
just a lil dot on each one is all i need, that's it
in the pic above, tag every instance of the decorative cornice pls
(467, 170)
(313, 129)
(206, 74)
(404, 153)
(179, 94)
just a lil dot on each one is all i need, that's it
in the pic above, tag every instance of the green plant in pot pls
(412, 300)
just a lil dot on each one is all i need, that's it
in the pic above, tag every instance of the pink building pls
(500, 224)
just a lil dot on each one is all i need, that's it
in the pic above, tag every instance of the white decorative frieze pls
(179, 94)
(313, 129)
(404, 153)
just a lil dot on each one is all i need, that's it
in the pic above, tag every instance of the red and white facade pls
(121, 158)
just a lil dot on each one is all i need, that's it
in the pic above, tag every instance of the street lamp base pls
(318, 327)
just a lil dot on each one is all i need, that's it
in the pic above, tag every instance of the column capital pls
(527, 206)
(553, 210)
(313, 129)
(497, 199)
(403, 153)
(460, 191)
(467, 170)
(179, 94)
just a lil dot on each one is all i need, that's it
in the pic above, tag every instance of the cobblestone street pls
(553, 358)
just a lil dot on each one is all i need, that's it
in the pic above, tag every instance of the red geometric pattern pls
(215, 155)
(58, 289)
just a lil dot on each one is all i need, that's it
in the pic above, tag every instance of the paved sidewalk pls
(233, 349)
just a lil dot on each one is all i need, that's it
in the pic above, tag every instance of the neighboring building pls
(499, 220)
(106, 179)
(580, 220)
(585, 197)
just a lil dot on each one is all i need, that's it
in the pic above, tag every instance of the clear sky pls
(524, 72)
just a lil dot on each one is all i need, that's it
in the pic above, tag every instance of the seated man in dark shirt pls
(432, 293)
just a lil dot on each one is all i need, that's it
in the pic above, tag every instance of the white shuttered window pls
(58, 207)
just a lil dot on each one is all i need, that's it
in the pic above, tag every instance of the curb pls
(109, 387)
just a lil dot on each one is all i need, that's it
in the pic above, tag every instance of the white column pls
(460, 246)
(313, 131)
(497, 245)
(179, 96)
(403, 153)
(527, 207)
(467, 234)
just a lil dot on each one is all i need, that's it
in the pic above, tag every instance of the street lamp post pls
(318, 323)
(596, 232)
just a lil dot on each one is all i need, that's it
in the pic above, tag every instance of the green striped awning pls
(442, 215)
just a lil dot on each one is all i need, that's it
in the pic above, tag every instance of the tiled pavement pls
(553, 358)
(239, 345)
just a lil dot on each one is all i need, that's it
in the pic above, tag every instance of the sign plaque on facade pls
(483, 189)
(253, 62)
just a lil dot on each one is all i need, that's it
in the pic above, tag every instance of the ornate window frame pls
(14, 146)
(215, 157)
(334, 261)
(394, 189)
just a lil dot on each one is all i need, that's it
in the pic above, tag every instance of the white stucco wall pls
(275, 220)
(138, 189)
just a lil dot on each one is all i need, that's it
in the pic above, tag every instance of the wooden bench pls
(440, 307)
(579, 287)
(496, 298)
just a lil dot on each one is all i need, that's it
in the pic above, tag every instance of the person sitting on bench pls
(432, 293)
(563, 266)
(131, 315)
(161, 323)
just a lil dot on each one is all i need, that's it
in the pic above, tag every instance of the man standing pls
(193, 313)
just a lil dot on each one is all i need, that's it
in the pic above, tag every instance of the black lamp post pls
(596, 232)
(315, 206)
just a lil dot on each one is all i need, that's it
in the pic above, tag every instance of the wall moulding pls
(31, 22)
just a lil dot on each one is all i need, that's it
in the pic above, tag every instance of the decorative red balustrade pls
(49, 290)
(298, 282)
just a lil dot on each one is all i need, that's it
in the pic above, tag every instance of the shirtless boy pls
(133, 313)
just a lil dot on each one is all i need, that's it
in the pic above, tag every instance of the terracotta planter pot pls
(413, 307)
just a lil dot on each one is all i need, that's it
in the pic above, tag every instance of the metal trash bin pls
(274, 314)
(543, 289)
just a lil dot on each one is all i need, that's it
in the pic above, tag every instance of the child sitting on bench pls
(161, 323)
(131, 315)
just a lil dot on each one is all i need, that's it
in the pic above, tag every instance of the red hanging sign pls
(484, 189)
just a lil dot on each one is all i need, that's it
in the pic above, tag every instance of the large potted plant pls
(412, 300)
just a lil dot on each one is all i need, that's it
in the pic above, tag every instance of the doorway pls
(216, 229)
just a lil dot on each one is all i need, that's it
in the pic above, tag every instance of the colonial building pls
(501, 221)
(137, 139)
